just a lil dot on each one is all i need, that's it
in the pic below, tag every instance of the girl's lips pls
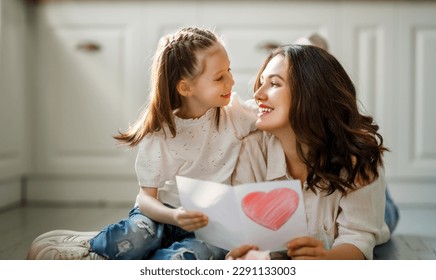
(228, 95)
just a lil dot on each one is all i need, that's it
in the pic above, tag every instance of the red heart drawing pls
(272, 209)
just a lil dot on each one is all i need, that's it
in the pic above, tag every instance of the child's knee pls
(144, 225)
(144, 234)
(133, 238)
(194, 249)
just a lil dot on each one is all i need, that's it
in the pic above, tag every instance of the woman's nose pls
(259, 94)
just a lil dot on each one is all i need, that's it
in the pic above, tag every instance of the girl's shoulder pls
(155, 137)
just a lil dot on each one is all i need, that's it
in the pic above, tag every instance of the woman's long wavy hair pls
(343, 146)
(175, 59)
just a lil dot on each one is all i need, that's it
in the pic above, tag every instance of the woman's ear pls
(183, 87)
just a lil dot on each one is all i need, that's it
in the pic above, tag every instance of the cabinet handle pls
(89, 47)
(268, 45)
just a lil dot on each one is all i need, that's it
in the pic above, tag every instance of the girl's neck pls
(190, 112)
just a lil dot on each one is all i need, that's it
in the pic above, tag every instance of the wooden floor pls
(414, 238)
(19, 227)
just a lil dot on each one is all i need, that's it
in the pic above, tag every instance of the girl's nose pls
(230, 79)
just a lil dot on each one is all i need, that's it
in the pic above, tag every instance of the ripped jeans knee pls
(189, 249)
(138, 237)
(133, 238)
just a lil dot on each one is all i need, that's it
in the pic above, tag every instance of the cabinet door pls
(367, 52)
(416, 90)
(86, 81)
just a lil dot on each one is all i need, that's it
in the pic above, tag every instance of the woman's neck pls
(296, 168)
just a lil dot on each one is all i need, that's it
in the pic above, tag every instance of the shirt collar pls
(276, 160)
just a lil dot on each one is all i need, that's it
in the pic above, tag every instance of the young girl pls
(192, 126)
(316, 134)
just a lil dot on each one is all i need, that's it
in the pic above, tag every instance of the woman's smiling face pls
(274, 96)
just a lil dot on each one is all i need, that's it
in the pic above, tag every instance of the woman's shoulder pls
(373, 182)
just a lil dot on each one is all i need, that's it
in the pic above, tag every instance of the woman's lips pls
(263, 109)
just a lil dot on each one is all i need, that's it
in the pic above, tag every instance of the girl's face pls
(213, 87)
(274, 97)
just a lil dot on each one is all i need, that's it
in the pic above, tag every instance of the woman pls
(316, 134)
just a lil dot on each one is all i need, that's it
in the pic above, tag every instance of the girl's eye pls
(274, 84)
(219, 79)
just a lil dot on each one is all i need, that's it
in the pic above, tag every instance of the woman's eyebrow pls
(275, 75)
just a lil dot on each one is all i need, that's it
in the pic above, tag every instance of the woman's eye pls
(219, 79)
(274, 84)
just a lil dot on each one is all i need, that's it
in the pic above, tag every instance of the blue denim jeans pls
(138, 237)
(391, 213)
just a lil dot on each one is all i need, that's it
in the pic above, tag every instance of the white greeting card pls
(267, 214)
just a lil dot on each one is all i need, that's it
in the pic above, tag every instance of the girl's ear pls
(183, 87)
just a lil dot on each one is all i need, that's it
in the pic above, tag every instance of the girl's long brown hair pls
(344, 146)
(175, 59)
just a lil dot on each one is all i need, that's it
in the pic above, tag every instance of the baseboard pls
(83, 190)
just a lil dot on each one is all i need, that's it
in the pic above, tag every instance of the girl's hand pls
(306, 248)
(190, 220)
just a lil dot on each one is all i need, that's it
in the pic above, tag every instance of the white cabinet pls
(89, 68)
(85, 94)
(13, 107)
(415, 95)
(84, 69)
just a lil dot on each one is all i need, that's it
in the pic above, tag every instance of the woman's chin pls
(262, 125)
